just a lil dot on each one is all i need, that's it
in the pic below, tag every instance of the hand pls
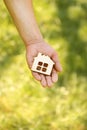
(32, 51)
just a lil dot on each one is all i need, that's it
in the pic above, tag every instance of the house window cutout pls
(40, 63)
(44, 69)
(42, 66)
(38, 68)
(45, 65)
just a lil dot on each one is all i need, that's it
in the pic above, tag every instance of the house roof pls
(44, 58)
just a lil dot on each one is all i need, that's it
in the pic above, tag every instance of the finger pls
(49, 81)
(36, 76)
(58, 66)
(43, 80)
(54, 75)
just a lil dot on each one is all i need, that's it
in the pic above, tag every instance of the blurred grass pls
(24, 104)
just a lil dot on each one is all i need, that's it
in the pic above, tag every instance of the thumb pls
(55, 58)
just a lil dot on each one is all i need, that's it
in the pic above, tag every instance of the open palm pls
(32, 51)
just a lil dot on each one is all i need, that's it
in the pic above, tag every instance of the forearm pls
(23, 16)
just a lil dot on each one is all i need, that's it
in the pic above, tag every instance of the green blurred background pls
(24, 104)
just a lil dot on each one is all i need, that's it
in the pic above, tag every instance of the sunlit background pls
(24, 104)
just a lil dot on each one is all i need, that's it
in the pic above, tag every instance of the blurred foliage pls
(24, 104)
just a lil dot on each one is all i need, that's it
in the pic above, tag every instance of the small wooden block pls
(42, 64)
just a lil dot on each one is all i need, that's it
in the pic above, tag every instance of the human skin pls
(24, 19)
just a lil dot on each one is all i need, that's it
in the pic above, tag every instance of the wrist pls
(34, 41)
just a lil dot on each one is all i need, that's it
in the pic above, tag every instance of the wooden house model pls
(42, 64)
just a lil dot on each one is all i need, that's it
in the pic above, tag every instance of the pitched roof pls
(47, 58)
